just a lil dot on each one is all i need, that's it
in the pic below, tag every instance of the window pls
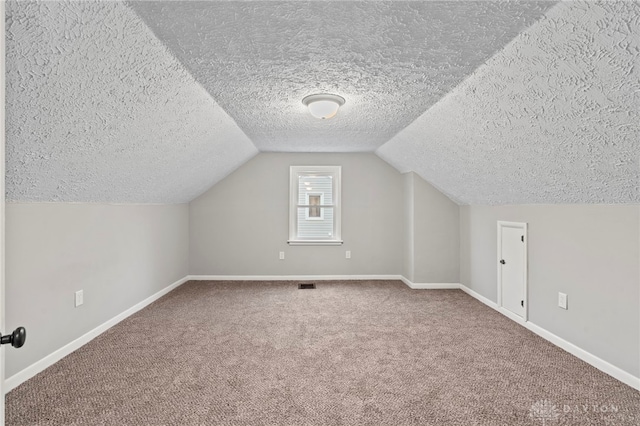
(314, 205)
(314, 201)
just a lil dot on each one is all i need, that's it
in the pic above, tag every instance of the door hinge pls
(522, 303)
(522, 238)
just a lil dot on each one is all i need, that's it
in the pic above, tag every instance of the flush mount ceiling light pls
(323, 106)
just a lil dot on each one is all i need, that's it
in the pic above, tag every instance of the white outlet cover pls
(281, 255)
(79, 298)
(562, 300)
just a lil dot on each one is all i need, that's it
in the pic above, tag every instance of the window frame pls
(294, 173)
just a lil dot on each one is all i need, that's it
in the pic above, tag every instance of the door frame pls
(523, 227)
(2, 201)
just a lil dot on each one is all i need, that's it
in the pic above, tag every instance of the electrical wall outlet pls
(348, 254)
(281, 255)
(79, 298)
(562, 300)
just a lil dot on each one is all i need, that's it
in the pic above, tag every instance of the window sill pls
(315, 242)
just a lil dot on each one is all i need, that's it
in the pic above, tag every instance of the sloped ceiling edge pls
(99, 111)
(552, 118)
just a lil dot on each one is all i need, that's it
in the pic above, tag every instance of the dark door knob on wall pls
(16, 339)
(502, 261)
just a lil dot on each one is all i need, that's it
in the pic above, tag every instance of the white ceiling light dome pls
(323, 105)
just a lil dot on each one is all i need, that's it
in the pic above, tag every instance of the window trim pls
(336, 173)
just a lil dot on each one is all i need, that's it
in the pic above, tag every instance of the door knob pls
(16, 339)
(502, 261)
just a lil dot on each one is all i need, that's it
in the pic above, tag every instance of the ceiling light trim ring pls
(323, 97)
(323, 105)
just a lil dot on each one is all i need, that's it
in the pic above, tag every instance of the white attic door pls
(512, 268)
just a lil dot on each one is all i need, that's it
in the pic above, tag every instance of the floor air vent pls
(306, 286)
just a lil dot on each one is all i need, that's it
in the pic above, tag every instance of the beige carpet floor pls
(347, 353)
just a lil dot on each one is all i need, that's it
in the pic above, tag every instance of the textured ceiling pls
(99, 111)
(552, 118)
(390, 60)
(501, 102)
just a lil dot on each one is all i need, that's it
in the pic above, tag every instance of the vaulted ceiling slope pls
(99, 111)
(391, 60)
(493, 102)
(554, 117)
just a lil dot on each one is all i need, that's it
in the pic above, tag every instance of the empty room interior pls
(321, 213)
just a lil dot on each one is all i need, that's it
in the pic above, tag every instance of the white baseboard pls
(430, 286)
(589, 358)
(290, 277)
(35, 368)
(480, 297)
(514, 317)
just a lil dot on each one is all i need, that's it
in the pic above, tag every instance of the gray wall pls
(436, 238)
(119, 255)
(239, 226)
(589, 252)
